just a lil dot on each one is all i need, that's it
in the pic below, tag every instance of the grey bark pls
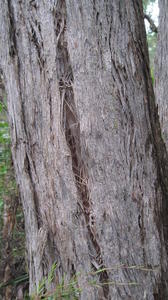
(161, 75)
(161, 68)
(90, 162)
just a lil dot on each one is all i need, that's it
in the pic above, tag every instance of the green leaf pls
(51, 274)
(4, 124)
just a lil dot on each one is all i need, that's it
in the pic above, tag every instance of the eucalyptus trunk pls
(89, 159)
(161, 68)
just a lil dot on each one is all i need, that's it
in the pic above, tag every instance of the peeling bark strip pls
(89, 158)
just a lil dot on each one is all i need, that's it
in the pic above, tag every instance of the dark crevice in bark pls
(71, 127)
(49, 97)
(12, 31)
(38, 43)
(27, 166)
(33, 3)
(72, 135)
(51, 116)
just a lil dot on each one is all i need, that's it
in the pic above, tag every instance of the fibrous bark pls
(161, 68)
(161, 75)
(89, 158)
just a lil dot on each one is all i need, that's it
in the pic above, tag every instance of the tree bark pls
(161, 68)
(90, 162)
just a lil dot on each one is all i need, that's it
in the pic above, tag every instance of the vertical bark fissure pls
(70, 125)
(38, 43)
(28, 166)
(12, 33)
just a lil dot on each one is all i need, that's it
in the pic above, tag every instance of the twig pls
(153, 27)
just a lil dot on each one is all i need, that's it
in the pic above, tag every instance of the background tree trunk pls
(89, 158)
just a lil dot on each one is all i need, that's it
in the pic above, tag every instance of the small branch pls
(153, 27)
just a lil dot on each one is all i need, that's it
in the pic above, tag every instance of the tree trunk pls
(90, 162)
(161, 68)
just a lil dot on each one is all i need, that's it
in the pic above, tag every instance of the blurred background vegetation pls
(13, 276)
(151, 9)
(12, 237)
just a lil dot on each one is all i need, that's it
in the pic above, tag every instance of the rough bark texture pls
(89, 158)
(161, 68)
(161, 76)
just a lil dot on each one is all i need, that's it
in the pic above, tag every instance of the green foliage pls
(69, 290)
(46, 281)
(51, 274)
(14, 282)
(146, 3)
(5, 157)
(64, 290)
(7, 182)
(152, 41)
(9, 202)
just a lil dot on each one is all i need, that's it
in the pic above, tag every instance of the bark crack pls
(12, 31)
(28, 167)
(35, 37)
(70, 125)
